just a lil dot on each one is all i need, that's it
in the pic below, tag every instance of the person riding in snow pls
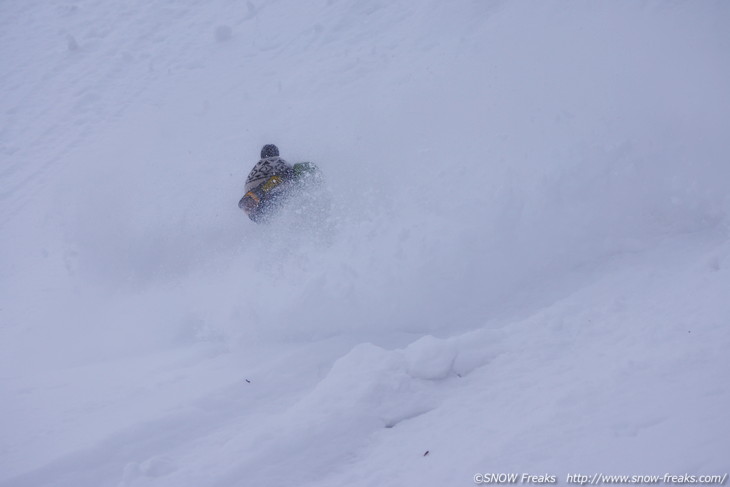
(273, 181)
(265, 183)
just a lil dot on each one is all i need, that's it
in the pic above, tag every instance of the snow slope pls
(526, 267)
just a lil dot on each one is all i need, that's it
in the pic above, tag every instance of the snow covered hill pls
(526, 269)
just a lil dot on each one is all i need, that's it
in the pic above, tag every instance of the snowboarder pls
(271, 181)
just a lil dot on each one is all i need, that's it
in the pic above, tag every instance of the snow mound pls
(430, 358)
(367, 388)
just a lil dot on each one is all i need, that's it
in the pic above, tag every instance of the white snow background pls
(527, 267)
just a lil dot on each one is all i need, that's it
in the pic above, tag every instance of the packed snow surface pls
(525, 269)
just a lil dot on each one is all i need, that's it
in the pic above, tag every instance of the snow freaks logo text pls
(599, 479)
(514, 478)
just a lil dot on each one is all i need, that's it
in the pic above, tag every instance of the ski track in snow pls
(526, 268)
